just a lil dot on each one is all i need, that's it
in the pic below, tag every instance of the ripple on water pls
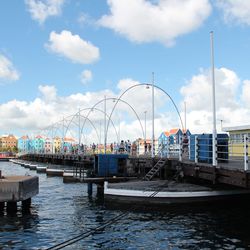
(61, 211)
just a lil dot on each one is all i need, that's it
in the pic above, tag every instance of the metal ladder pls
(155, 169)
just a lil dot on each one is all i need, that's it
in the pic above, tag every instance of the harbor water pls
(62, 211)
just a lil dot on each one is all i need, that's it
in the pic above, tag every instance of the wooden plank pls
(206, 176)
(231, 173)
(230, 181)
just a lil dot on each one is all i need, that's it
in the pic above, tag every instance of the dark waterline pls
(62, 211)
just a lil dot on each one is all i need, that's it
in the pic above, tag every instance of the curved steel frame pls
(86, 118)
(93, 108)
(109, 117)
(137, 85)
(75, 116)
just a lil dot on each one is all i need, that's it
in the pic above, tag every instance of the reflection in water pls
(62, 211)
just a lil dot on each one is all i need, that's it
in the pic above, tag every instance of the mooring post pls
(1, 207)
(90, 188)
(11, 207)
(245, 152)
(26, 204)
(100, 189)
(196, 149)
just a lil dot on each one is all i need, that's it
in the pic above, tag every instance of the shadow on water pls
(211, 225)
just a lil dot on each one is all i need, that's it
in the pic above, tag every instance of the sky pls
(61, 56)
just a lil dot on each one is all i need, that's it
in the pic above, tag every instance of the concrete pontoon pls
(166, 192)
(17, 188)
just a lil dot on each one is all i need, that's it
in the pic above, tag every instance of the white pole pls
(185, 112)
(100, 142)
(105, 129)
(245, 152)
(153, 118)
(196, 153)
(119, 131)
(214, 105)
(145, 131)
(52, 140)
(79, 142)
(63, 138)
(180, 149)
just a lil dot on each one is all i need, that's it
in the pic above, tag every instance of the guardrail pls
(198, 148)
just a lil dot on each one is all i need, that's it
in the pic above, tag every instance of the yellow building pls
(236, 139)
(57, 142)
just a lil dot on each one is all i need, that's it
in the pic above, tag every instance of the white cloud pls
(144, 21)
(198, 91)
(232, 107)
(49, 93)
(42, 9)
(73, 47)
(86, 76)
(246, 93)
(235, 10)
(7, 70)
(29, 117)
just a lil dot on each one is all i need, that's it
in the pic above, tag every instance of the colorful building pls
(57, 142)
(23, 144)
(236, 139)
(69, 144)
(48, 146)
(37, 144)
(171, 138)
(8, 142)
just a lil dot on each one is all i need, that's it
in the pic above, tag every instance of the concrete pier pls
(54, 172)
(17, 188)
(41, 169)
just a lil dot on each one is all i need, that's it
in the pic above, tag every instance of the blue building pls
(23, 144)
(37, 144)
(172, 138)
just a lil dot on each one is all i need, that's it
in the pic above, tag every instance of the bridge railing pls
(168, 149)
(229, 152)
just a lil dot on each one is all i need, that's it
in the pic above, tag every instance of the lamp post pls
(185, 118)
(153, 118)
(79, 131)
(105, 126)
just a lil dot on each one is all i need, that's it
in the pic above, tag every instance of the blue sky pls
(57, 56)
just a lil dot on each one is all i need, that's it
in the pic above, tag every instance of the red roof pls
(24, 137)
(166, 133)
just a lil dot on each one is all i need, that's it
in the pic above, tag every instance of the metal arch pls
(142, 84)
(91, 124)
(52, 127)
(86, 118)
(118, 99)
(73, 116)
(72, 121)
(103, 113)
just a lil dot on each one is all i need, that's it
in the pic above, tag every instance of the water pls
(62, 211)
